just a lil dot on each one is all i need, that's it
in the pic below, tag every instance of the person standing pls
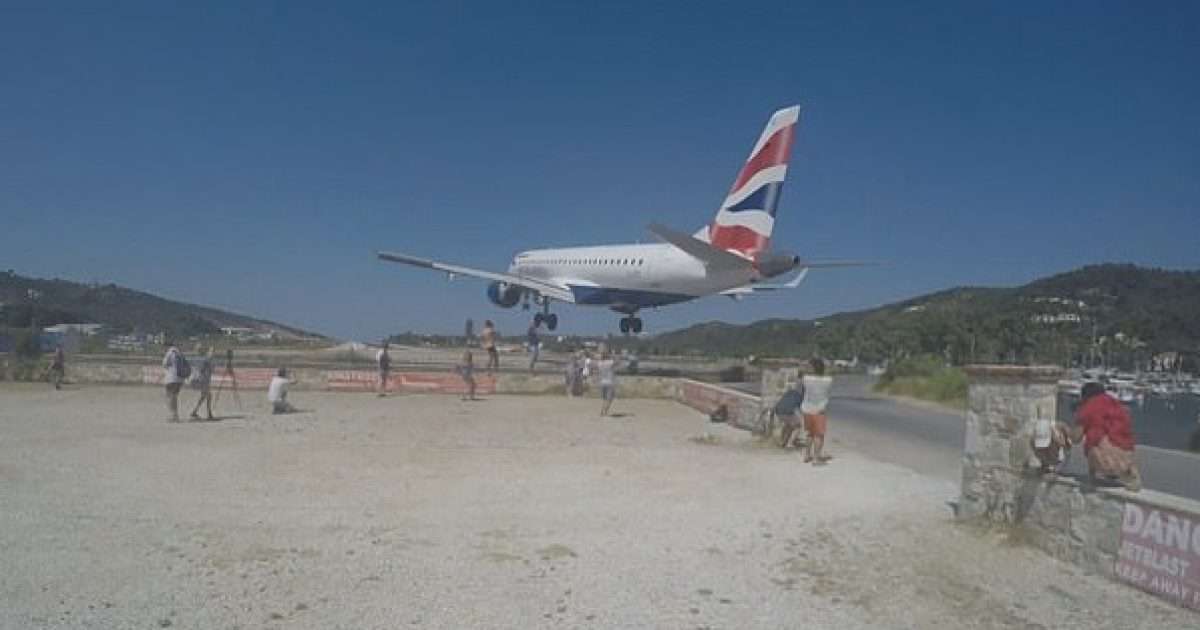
(466, 369)
(606, 373)
(533, 339)
(487, 339)
(570, 370)
(57, 369)
(587, 366)
(203, 381)
(175, 372)
(384, 361)
(787, 411)
(817, 388)
(1106, 430)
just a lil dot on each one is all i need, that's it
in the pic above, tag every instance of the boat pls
(1123, 389)
(1071, 387)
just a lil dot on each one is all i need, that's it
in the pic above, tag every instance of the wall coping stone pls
(1154, 499)
(725, 390)
(1015, 373)
(1146, 497)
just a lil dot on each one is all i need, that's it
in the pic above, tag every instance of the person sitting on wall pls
(1050, 443)
(277, 393)
(1106, 430)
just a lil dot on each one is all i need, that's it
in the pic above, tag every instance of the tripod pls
(232, 380)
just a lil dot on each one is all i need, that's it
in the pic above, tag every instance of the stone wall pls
(1003, 403)
(776, 381)
(310, 377)
(743, 410)
(1147, 539)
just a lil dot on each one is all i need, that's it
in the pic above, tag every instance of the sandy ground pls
(514, 512)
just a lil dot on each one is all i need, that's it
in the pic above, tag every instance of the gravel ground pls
(514, 512)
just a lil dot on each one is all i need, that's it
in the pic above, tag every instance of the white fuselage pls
(628, 277)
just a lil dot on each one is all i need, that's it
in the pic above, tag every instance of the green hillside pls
(1124, 313)
(25, 301)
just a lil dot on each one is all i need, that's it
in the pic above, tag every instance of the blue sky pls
(254, 155)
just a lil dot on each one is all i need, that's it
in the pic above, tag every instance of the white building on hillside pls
(86, 330)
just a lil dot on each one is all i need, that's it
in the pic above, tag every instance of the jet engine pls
(774, 264)
(504, 294)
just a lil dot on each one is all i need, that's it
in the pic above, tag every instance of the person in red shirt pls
(1106, 430)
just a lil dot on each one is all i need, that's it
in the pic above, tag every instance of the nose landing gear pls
(630, 324)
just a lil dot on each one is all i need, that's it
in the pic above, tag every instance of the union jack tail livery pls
(744, 223)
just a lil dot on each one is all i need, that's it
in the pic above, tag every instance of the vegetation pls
(36, 303)
(1120, 314)
(926, 378)
(26, 346)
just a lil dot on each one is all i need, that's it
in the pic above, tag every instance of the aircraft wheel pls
(537, 319)
(635, 324)
(551, 321)
(624, 325)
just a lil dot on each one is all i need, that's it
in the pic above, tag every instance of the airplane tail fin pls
(744, 223)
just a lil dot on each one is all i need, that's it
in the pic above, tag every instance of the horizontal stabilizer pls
(750, 289)
(830, 264)
(711, 256)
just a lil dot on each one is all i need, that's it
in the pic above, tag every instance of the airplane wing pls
(712, 257)
(552, 291)
(738, 293)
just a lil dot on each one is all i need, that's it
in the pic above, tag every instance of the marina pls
(1165, 406)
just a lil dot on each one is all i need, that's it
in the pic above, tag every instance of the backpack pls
(183, 369)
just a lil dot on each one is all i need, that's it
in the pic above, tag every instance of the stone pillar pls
(776, 379)
(1004, 402)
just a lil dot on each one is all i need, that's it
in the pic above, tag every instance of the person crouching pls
(277, 393)
(1106, 430)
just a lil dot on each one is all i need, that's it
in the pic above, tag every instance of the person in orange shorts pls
(817, 387)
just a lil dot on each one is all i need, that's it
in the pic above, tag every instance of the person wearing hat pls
(1050, 442)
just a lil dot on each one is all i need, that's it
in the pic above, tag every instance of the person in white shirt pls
(277, 393)
(606, 373)
(817, 388)
(172, 379)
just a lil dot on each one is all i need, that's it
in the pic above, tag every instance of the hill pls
(47, 302)
(1123, 313)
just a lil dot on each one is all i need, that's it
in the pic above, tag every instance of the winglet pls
(698, 249)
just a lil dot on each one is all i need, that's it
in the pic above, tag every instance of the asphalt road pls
(929, 439)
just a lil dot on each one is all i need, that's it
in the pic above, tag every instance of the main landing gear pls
(546, 317)
(549, 319)
(631, 324)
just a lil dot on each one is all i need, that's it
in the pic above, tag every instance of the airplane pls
(730, 256)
